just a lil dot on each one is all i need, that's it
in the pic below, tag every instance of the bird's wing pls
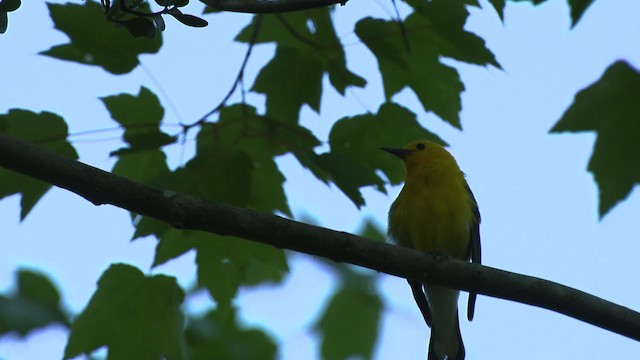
(474, 249)
(421, 299)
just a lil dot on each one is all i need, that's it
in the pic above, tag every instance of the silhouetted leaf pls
(140, 27)
(135, 316)
(9, 5)
(610, 107)
(4, 22)
(159, 21)
(189, 20)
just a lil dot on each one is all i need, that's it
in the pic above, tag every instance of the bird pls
(436, 213)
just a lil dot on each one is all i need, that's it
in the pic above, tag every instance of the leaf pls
(437, 86)
(140, 27)
(172, 244)
(226, 263)
(189, 20)
(35, 305)
(355, 141)
(578, 8)
(363, 135)
(312, 33)
(610, 107)
(141, 166)
(95, 41)
(349, 325)
(45, 129)
(499, 6)
(370, 230)
(9, 5)
(412, 59)
(4, 22)
(135, 316)
(262, 139)
(140, 116)
(349, 174)
(217, 335)
(290, 80)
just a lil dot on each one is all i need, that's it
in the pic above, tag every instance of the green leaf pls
(499, 6)
(95, 41)
(370, 230)
(217, 335)
(355, 141)
(437, 86)
(437, 28)
(35, 305)
(349, 325)
(44, 129)
(290, 80)
(610, 107)
(578, 8)
(135, 316)
(363, 135)
(226, 263)
(140, 116)
(262, 139)
(412, 58)
(142, 166)
(349, 173)
(172, 244)
(311, 32)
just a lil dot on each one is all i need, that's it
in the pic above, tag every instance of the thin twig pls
(239, 78)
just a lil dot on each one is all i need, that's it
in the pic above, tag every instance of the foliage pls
(139, 316)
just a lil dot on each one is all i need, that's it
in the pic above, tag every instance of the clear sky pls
(538, 203)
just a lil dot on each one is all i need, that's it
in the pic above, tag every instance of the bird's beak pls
(401, 153)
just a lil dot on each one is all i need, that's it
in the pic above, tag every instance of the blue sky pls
(538, 203)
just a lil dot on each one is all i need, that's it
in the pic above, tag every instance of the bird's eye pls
(420, 146)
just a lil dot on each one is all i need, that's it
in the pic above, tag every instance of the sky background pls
(538, 203)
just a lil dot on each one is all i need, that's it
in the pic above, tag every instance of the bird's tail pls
(455, 354)
(446, 339)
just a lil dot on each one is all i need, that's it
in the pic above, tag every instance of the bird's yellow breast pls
(433, 212)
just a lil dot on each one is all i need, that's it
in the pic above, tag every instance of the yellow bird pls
(436, 212)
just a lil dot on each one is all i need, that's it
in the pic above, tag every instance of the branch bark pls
(269, 6)
(186, 212)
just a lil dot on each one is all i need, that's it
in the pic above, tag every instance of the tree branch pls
(186, 212)
(269, 6)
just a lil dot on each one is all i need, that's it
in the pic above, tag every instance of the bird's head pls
(420, 152)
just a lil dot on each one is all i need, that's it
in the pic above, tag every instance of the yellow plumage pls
(436, 212)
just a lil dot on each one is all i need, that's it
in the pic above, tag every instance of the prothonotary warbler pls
(436, 212)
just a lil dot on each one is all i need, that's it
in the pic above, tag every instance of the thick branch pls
(269, 6)
(187, 212)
